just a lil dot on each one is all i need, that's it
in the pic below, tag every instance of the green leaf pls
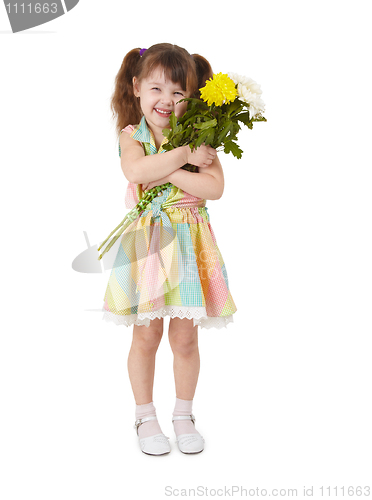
(178, 136)
(210, 138)
(187, 132)
(202, 137)
(232, 147)
(259, 118)
(233, 106)
(234, 130)
(224, 133)
(193, 119)
(178, 129)
(187, 115)
(208, 124)
(166, 132)
(173, 120)
(244, 117)
(196, 102)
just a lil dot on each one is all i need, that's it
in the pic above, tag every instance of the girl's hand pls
(202, 156)
(149, 185)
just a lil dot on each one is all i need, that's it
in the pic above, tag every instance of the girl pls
(168, 263)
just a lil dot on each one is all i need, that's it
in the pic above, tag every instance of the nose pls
(167, 99)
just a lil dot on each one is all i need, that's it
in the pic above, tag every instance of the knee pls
(183, 343)
(147, 339)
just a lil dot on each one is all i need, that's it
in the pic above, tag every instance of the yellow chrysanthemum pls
(218, 90)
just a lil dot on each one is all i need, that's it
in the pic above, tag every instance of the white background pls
(284, 394)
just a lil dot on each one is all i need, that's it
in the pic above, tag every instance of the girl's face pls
(158, 98)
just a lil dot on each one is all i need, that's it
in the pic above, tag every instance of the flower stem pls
(132, 216)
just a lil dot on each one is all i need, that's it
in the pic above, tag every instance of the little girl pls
(168, 263)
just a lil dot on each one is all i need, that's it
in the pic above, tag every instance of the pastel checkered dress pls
(168, 262)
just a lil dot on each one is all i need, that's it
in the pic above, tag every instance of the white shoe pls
(153, 445)
(189, 443)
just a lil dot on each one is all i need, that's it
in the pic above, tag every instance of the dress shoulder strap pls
(128, 129)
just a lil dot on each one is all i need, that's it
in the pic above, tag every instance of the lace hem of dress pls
(197, 314)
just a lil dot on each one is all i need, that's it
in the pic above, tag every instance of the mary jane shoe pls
(158, 444)
(189, 443)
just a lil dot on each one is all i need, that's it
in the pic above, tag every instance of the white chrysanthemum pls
(250, 92)
(253, 86)
(256, 104)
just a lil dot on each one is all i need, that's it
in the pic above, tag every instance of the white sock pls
(183, 407)
(151, 427)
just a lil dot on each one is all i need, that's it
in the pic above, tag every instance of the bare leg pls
(141, 360)
(183, 339)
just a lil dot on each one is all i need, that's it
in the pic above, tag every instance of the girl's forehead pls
(158, 75)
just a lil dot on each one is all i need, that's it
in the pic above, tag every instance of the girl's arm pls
(139, 168)
(207, 184)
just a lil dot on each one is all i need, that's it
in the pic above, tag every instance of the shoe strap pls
(141, 421)
(184, 417)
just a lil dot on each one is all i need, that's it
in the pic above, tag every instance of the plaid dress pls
(168, 262)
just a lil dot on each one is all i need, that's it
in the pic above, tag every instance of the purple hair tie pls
(142, 52)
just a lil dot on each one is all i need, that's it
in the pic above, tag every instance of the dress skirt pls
(169, 264)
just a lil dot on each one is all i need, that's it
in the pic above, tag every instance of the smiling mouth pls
(163, 112)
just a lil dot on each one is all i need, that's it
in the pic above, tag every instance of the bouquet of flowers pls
(227, 101)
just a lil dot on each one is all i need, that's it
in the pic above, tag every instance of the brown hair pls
(179, 66)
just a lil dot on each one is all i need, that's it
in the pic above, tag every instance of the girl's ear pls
(136, 87)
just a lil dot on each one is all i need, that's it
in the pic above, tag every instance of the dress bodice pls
(176, 197)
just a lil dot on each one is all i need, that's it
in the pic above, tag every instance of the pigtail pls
(203, 71)
(124, 105)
